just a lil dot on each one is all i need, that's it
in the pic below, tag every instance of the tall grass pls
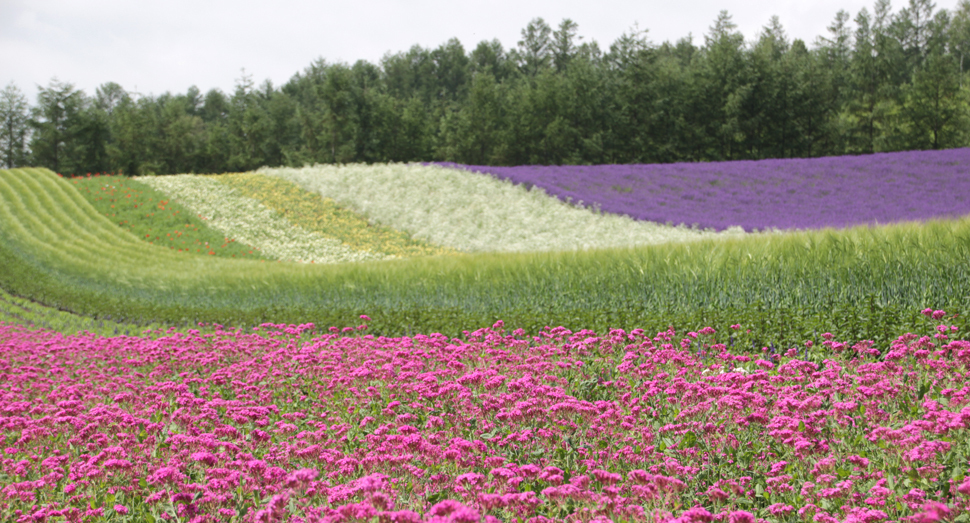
(20, 311)
(57, 249)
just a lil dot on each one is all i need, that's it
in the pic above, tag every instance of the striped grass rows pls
(324, 216)
(473, 212)
(157, 219)
(253, 223)
(57, 249)
(161, 215)
(19, 311)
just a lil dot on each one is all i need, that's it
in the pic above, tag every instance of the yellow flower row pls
(323, 215)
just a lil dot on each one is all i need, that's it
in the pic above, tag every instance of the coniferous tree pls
(14, 128)
(935, 105)
(725, 89)
(883, 81)
(534, 51)
(56, 127)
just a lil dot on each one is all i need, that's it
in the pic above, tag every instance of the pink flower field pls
(291, 424)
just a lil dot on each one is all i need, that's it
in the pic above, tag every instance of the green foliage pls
(58, 123)
(20, 311)
(57, 249)
(879, 81)
(14, 118)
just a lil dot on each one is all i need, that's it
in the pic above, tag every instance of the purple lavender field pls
(784, 194)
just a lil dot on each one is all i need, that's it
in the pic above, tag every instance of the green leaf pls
(689, 440)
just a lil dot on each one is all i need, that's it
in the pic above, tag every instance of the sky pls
(151, 47)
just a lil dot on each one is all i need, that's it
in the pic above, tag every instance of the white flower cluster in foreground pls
(475, 212)
(250, 222)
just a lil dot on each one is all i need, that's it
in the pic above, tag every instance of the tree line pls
(881, 81)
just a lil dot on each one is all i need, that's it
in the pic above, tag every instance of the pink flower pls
(717, 495)
(301, 477)
(933, 510)
(166, 475)
(446, 507)
(121, 509)
(401, 516)
(741, 516)
(699, 515)
(765, 364)
(780, 509)
(964, 487)
(204, 457)
(778, 468)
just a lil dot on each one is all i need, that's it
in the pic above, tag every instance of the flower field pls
(155, 367)
(57, 249)
(766, 194)
(307, 209)
(15, 310)
(474, 213)
(153, 217)
(295, 423)
(253, 223)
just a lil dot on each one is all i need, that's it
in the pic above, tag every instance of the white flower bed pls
(475, 212)
(250, 222)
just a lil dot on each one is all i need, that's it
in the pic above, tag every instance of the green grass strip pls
(323, 215)
(19, 311)
(153, 217)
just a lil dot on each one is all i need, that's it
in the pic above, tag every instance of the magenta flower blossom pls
(624, 425)
(166, 476)
(741, 516)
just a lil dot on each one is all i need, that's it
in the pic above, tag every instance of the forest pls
(881, 80)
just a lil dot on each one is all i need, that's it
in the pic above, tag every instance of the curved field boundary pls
(797, 193)
(477, 213)
(323, 215)
(253, 223)
(155, 218)
(56, 249)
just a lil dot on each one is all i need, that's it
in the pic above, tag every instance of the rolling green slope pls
(55, 248)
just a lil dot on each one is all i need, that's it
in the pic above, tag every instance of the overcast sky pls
(154, 46)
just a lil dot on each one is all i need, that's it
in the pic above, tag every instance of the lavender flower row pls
(767, 194)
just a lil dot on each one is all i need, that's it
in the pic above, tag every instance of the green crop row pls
(19, 311)
(57, 249)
